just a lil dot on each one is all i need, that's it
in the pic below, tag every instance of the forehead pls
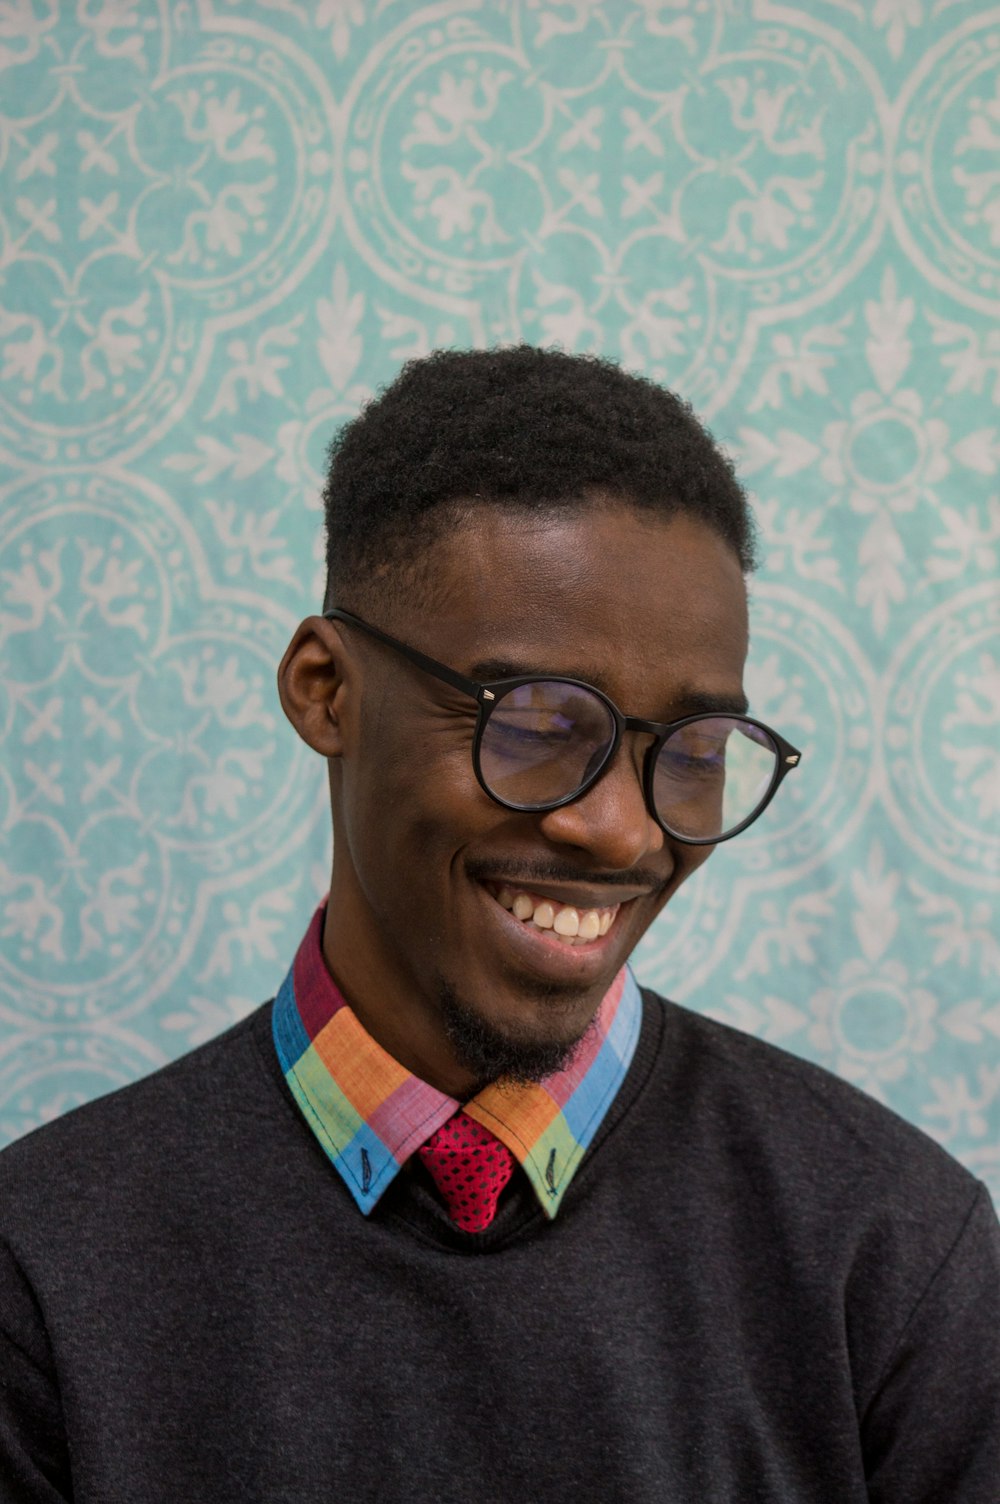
(605, 592)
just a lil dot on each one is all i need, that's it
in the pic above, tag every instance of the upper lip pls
(578, 895)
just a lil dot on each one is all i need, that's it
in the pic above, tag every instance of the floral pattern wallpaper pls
(224, 224)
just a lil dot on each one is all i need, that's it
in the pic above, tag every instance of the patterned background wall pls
(225, 224)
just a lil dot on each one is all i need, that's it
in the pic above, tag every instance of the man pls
(463, 1214)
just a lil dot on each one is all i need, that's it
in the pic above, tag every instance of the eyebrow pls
(695, 701)
(686, 701)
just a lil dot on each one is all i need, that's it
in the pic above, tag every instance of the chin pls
(491, 1052)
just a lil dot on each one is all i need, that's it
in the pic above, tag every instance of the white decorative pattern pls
(225, 224)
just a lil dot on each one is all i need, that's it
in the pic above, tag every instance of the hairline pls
(405, 545)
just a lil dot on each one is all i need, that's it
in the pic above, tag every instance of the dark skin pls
(650, 610)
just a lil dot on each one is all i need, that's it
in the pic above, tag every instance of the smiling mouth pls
(558, 921)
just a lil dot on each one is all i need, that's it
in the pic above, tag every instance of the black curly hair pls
(519, 428)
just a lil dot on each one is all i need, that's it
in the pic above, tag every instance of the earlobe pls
(312, 685)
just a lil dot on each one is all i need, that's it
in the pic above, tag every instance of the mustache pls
(528, 871)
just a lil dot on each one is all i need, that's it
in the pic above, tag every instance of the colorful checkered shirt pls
(370, 1113)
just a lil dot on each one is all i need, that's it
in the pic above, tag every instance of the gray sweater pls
(762, 1285)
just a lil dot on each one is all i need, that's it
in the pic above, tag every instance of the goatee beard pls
(494, 1056)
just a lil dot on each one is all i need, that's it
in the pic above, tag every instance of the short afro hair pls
(519, 428)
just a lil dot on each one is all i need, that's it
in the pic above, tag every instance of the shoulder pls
(130, 1145)
(783, 1167)
(788, 1118)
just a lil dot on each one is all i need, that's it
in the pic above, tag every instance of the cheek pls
(687, 860)
(410, 802)
(691, 857)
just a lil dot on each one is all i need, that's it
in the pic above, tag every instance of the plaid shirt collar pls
(371, 1114)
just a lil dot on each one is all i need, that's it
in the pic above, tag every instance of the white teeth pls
(573, 926)
(590, 925)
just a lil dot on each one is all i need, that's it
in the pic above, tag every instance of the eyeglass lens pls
(544, 740)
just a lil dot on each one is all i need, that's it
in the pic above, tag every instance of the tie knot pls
(470, 1167)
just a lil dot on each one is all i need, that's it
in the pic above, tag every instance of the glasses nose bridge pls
(628, 730)
(634, 727)
(655, 729)
(629, 792)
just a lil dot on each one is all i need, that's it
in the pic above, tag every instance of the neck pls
(388, 1002)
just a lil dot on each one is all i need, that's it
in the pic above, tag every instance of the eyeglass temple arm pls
(429, 665)
(789, 755)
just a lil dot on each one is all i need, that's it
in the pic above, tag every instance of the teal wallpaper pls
(224, 224)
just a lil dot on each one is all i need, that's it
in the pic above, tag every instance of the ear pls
(313, 680)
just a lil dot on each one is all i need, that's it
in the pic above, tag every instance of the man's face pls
(420, 934)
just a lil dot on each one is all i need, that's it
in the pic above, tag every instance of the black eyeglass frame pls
(488, 695)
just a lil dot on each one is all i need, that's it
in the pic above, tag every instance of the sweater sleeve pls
(932, 1429)
(34, 1462)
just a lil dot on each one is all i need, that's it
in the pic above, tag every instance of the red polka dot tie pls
(470, 1168)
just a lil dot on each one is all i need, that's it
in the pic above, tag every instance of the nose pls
(610, 822)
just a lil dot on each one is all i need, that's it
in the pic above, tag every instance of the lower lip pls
(544, 953)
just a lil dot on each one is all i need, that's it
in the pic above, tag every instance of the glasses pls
(542, 742)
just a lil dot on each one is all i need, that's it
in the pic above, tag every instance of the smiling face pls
(445, 908)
